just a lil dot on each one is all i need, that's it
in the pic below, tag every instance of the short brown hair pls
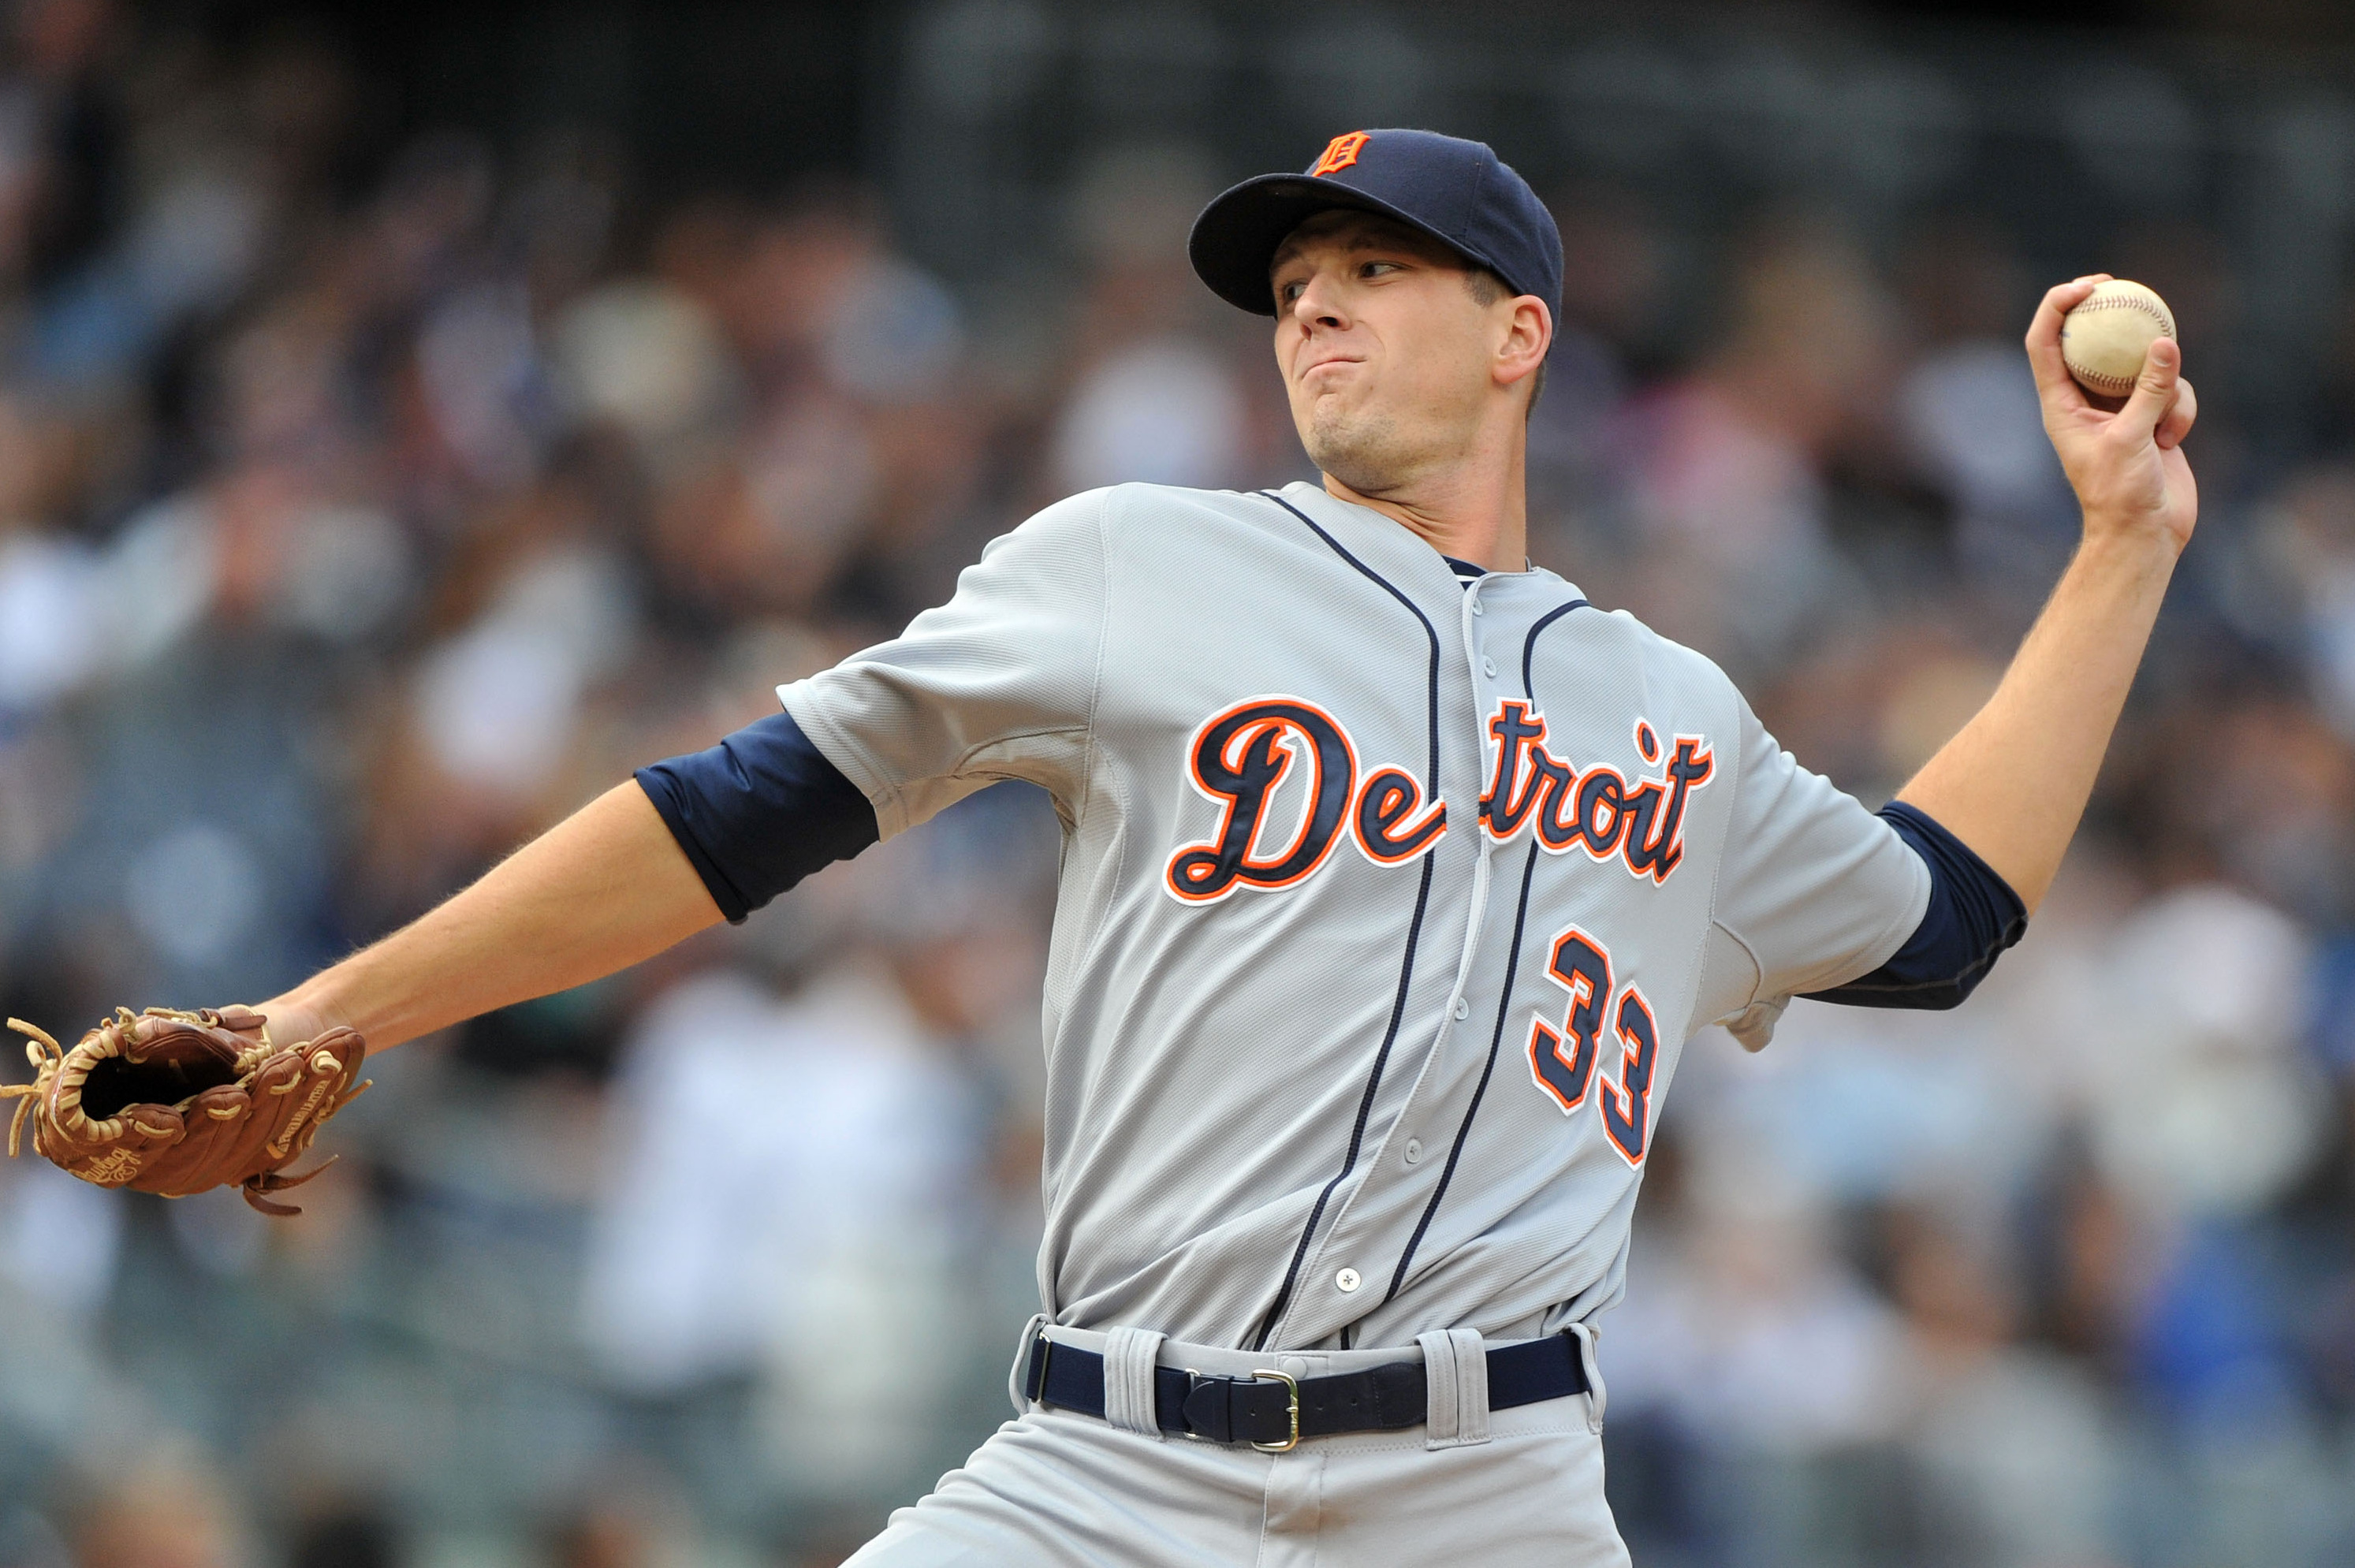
(1487, 288)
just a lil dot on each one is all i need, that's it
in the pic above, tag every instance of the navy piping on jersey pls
(1972, 916)
(1406, 966)
(1505, 997)
(1529, 645)
(1431, 785)
(725, 806)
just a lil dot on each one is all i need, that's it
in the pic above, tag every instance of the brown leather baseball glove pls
(180, 1103)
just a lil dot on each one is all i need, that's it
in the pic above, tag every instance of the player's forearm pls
(2013, 784)
(598, 892)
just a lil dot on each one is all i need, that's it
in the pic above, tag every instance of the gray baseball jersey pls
(1388, 901)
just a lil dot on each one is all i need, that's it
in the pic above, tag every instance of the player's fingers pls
(2154, 390)
(2180, 414)
(2053, 378)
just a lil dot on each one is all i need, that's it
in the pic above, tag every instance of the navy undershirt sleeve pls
(759, 812)
(1972, 915)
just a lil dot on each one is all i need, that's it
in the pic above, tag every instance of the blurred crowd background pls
(412, 419)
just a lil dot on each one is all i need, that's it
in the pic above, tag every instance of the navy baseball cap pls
(1458, 192)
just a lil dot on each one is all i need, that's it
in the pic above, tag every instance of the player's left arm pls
(2012, 784)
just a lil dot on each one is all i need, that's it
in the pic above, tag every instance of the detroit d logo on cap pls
(1341, 152)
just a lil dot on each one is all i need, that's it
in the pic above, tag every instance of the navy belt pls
(1272, 1412)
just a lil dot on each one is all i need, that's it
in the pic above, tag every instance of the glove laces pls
(46, 1055)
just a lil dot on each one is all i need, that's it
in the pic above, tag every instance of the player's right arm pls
(600, 890)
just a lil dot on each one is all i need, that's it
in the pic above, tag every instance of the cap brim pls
(1236, 237)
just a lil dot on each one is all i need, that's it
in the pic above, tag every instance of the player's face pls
(1387, 355)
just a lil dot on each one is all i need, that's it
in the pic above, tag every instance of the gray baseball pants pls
(1503, 1489)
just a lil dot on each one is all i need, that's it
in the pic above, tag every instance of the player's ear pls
(1529, 333)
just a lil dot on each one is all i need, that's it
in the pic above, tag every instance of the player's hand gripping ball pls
(178, 1103)
(2103, 341)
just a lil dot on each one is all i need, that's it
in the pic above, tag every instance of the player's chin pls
(1361, 455)
(1326, 412)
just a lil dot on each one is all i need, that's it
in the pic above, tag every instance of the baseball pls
(2103, 340)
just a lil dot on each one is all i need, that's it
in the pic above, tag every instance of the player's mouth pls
(1329, 362)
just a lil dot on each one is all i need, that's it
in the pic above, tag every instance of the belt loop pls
(1597, 1396)
(1017, 1380)
(1456, 1373)
(1130, 1355)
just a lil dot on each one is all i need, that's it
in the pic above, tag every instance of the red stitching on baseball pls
(2101, 381)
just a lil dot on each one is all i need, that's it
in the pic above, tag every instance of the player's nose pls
(1319, 302)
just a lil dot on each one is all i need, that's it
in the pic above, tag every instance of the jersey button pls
(1475, 606)
(1413, 1150)
(1488, 669)
(1347, 1280)
(1463, 1008)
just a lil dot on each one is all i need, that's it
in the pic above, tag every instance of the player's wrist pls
(304, 1013)
(2133, 541)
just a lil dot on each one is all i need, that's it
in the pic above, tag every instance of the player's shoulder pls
(1111, 508)
(1626, 629)
(1085, 538)
(1063, 535)
(1151, 527)
(1663, 661)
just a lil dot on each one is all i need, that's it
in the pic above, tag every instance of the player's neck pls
(1474, 511)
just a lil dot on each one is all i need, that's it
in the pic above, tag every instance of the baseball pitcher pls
(1395, 877)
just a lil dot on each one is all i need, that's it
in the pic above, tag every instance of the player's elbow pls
(1969, 918)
